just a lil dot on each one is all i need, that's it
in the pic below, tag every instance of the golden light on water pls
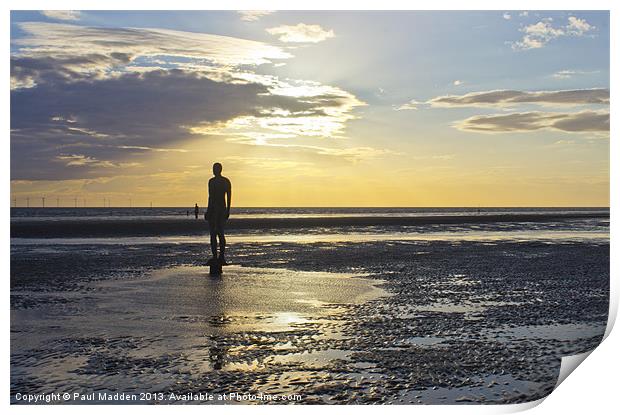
(287, 318)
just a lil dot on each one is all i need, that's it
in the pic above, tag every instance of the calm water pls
(101, 213)
(173, 225)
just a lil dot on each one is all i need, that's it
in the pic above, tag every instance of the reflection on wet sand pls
(184, 321)
(465, 321)
(327, 237)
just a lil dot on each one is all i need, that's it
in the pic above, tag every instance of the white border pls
(593, 387)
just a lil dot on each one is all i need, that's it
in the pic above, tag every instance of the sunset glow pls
(311, 108)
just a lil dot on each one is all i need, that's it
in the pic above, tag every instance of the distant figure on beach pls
(218, 211)
(196, 210)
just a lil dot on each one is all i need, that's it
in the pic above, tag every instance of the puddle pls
(314, 359)
(558, 236)
(492, 389)
(423, 341)
(470, 309)
(133, 334)
(562, 332)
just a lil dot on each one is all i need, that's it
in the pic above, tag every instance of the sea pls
(111, 213)
(138, 225)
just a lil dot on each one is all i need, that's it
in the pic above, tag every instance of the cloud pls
(154, 149)
(411, 105)
(507, 16)
(537, 35)
(75, 94)
(125, 105)
(62, 14)
(321, 110)
(269, 163)
(457, 82)
(351, 154)
(157, 109)
(440, 157)
(503, 98)
(253, 15)
(567, 73)
(80, 160)
(57, 52)
(578, 122)
(593, 121)
(578, 27)
(301, 33)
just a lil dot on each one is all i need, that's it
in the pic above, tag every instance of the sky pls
(350, 108)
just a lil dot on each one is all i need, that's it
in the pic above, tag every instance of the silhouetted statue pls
(218, 211)
(196, 210)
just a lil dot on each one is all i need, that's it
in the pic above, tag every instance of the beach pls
(392, 307)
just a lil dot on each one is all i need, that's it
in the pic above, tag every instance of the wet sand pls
(125, 334)
(395, 322)
(189, 226)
